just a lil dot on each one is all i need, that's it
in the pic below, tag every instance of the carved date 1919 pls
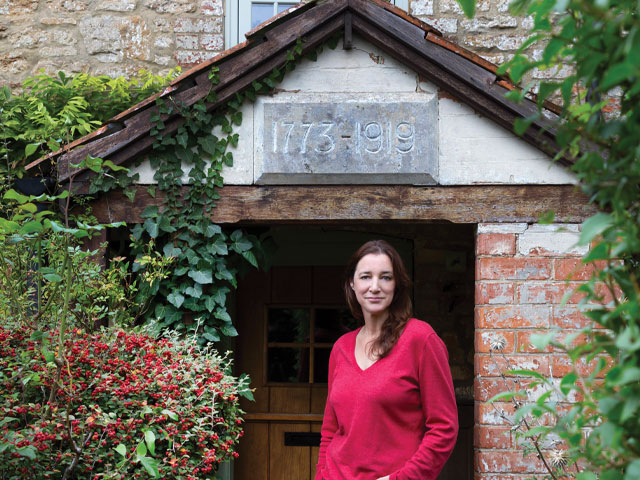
(322, 137)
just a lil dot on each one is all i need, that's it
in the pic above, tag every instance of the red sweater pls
(398, 417)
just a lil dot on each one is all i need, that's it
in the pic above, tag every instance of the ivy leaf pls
(202, 277)
(150, 212)
(210, 303)
(152, 190)
(218, 247)
(220, 295)
(222, 314)
(250, 257)
(195, 291)
(209, 144)
(229, 331)
(212, 230)
(151, 227)
(241, 245)
(175, 299)
(211, 335)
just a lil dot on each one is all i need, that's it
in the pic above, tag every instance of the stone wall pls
(113, 37)
(118, 37)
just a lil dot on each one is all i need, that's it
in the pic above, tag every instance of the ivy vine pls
(207, 259)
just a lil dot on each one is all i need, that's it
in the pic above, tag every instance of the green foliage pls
(52, 111)
(207, 258)
(599, 41)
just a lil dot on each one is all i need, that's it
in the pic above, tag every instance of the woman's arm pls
(441, 414)
(329, 423)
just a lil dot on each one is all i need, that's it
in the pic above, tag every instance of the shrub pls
(128, 405)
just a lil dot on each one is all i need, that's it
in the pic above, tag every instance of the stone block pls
(503, 42)
(58, 21)
(51, 51)
(422, 7)
(502, 227)
(13, 63)
(28, 38)
(211, 7)
(117, 5)
(481, 24)
(452, 6)
(67, 5)
(163, 60)
(112, 38)
(445, 25)
(212, 42)
(190, 58)
(171, 6)
(18, 7)
(198, 25)
(371, 139)
(187, 42)
(557, 243)
(163, 41)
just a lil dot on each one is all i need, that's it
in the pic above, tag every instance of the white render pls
(471, 149)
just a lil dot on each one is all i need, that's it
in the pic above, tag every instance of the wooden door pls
(288, 319)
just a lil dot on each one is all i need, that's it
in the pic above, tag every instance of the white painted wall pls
(472, 149)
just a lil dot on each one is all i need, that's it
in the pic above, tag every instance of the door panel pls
(287, 463)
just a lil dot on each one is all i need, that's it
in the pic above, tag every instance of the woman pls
(391, 412)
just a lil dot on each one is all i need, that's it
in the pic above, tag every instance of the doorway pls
(289, 317)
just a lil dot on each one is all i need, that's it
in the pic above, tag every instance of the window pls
(299, 341)
(244, 15)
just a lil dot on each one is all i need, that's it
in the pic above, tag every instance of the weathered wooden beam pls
(365, 203)
(347, 43)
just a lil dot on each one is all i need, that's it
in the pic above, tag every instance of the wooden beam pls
(367, 203)
(347, 44)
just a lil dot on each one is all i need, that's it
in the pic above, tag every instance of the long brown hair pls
(400, 309)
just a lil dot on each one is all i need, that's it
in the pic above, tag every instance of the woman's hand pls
(386, 477)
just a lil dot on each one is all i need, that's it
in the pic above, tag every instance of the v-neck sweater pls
(398, 417)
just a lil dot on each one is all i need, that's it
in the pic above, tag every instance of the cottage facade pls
(397, 133)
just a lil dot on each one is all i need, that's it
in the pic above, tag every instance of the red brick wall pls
(521, 278)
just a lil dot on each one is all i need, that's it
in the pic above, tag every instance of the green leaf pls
(151, 227)
(30, 149)
(250, 257)
(152, 190)
(151, 466)
(229, 331)
(617, 74)
(599, 252)
(594, 226)
(218, 247)
(586, 476)
(121, 449)
(53, 277)
(150, 212)
(170, 414)
(506, 396)
(221, 313)
(29, 451)
(202, 277)
(568, 382)
(210, 303)
(175, 299)
(13, 195)
(526, 373)
(220, 295)
(195, 291)
(141, 450)
(150, 440)
(633, 470)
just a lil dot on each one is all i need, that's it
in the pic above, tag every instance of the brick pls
(562, 365)
(513, 317)
(548, 292)
(492, 476)
(523, 342)
(496, 244)
(574, 269)
(502, 227)
(507, 461)
(519, 268)
(494, 293)
(550, 243)
(485, 388)
(492, 437)
(497, 413)
(495, 364)
(569, 317)
(486, 340)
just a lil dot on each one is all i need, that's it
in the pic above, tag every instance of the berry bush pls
(127, 406)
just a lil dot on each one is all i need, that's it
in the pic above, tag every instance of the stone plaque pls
(347, 139)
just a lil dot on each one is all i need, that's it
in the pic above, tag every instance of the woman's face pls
(374, 284)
